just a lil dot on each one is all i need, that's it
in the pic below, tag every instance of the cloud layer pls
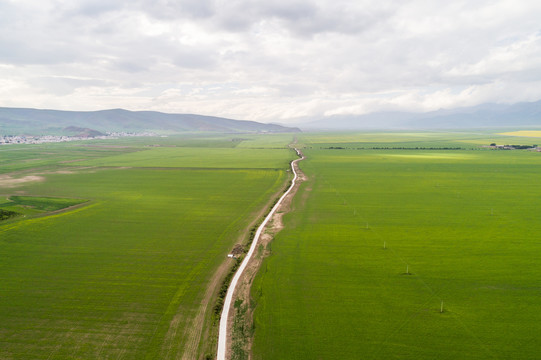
(268, 61)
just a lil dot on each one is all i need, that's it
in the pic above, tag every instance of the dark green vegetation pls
(6, 214)
(129, 274)
(240, 331)
(218, 307)
(42, 203)
(378, 239)
(16, 121)
(14, 206)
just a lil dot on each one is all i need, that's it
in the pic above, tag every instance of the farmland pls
(531, 133)
(398, 247)
(197, 157)
(121, 242)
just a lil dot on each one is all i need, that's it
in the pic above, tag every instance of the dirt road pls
(222, 335)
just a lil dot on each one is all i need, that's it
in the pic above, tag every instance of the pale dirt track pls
(224, 323)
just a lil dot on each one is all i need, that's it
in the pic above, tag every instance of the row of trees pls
(514, 146)
(395, 148)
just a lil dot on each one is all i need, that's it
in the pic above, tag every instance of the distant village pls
(41, 139)
(513, 147)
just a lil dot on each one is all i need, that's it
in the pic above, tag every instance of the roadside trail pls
(222, 332)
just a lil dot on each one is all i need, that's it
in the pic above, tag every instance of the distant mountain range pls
(22, 121)
(18, 121)
(476, 117)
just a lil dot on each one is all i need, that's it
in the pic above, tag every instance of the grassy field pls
(265, 141)
(125, 274)
(378, 239)
(198, 158)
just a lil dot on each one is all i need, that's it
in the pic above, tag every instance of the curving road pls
(222, 334)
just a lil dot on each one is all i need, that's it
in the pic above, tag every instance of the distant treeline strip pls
(394, 148)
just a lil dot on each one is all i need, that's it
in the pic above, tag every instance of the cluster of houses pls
(41, 139)
(26, 139)
(514, 147)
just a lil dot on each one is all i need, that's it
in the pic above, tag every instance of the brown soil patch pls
(72, 170)
(70, 161)
(7, 181)
(108, 146)
(242, 317)
(65, 172)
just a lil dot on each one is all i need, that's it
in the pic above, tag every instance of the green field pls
(117, 244)
(198, 158)
(124, 275)
(378, 239)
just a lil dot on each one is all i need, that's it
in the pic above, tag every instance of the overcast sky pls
(268, 60)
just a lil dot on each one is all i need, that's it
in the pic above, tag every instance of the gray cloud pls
(269, 60)
(177, 9)
(302, 18)
(129, 66)
(91, 8)
(65, 85)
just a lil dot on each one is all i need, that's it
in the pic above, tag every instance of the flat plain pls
(125, 274)
(406, 246)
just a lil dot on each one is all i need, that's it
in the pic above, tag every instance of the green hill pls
(16, 121)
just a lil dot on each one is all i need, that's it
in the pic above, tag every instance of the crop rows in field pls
(126, 274)
(379, 239)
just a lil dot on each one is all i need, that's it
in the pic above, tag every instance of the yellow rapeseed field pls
(529, 133)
